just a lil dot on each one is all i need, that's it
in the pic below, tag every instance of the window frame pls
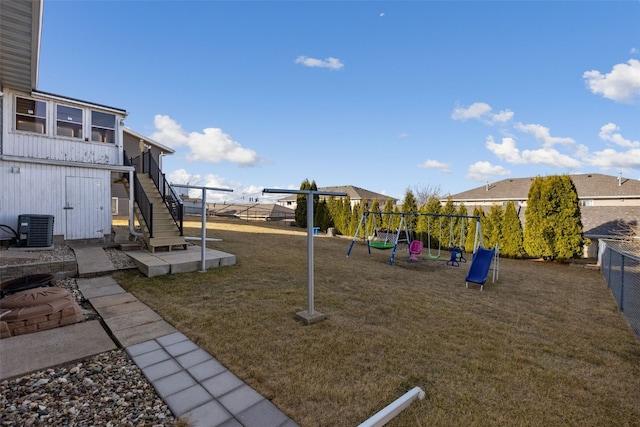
(39, 118)
(77, 127)
(104, 132)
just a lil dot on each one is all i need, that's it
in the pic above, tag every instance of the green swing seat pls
(381, 245)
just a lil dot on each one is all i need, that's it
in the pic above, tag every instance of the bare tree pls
(423, 193)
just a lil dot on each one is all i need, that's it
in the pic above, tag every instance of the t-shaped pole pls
(311, 315)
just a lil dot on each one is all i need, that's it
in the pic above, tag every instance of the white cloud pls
(332, 63)
(506, 150)
(169, 132)
(509, 152)
(551, 157)
(483, 171)
(434, 164)
(542, 133)
(212, 145)
(483, 112)
(608, 133)
(181, 176)
(622, 84)
(609, 158)
(634, 51)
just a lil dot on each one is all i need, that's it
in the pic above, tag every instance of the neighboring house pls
(608, 204)
(59, 156)
(356, 196)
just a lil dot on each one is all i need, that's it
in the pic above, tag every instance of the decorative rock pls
(38, 399)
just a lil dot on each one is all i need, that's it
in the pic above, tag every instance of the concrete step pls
(168, 242)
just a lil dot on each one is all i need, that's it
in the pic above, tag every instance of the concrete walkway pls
(187, 378)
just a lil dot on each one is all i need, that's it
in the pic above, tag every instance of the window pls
(103, 127)
(68, 121)
(31, 115)
(586, 202)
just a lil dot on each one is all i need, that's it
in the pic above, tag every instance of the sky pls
(383, 95)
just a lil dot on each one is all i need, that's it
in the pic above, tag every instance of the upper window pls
(31, 115)
(68, 121)
(586, 202)
(103, 127)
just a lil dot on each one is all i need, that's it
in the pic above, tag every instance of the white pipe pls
(199, 239)
(394, 408)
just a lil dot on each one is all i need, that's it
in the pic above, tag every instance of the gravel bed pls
(58, 253)
(104, 390)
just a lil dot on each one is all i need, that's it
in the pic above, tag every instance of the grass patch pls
(545, 345)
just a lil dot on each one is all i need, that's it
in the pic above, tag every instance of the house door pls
(84, 208)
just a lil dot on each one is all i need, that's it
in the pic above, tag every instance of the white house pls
(59, 156)
(356, 196)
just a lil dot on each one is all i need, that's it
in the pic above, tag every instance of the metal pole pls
(310, 316)
(203, 242)
(310, 308)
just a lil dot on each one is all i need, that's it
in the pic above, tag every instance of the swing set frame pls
(403, 227)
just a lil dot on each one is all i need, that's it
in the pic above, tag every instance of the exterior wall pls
(22, 144)
(45, 174)
(27, 188)
(49, 145)
(131, 146)
(617, 202)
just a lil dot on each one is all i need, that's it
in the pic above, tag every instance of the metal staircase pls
(158, 209)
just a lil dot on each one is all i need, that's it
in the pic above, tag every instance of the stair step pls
(168, 242)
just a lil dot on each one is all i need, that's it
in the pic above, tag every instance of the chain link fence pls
(620, 266)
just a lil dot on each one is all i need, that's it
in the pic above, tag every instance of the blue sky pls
(381, 95)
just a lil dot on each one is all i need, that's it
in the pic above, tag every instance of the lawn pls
(545, 345)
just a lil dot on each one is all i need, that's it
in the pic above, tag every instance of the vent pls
(35, 230)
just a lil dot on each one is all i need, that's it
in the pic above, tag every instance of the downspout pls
(131, 202)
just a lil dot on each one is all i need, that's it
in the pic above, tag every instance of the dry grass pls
(544, 346)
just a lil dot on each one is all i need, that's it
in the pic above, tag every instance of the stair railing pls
(146, 207)
(171, 199)
(141, 199)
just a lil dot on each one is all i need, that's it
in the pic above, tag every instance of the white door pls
(84, 208)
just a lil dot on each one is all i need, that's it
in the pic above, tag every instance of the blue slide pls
(480, 264)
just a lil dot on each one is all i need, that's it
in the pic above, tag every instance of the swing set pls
(379, 238)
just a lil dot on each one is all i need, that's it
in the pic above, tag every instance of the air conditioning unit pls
(35, 230)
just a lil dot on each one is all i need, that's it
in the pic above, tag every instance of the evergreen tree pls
(534, 242)
(554, 230)
(512, 235)
(494, 222)
(301, 205)
(409, 204)
(356, 215)
(448, 223)
(563, 225)
(322, 216)
(434, 223)
(375, 219)
(346, 216)
(387, 217)
(422, 225)
(461, 228)
(395, 219)
(471, 231)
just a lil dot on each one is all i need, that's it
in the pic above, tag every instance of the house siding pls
(28, 188)
(38, 147)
